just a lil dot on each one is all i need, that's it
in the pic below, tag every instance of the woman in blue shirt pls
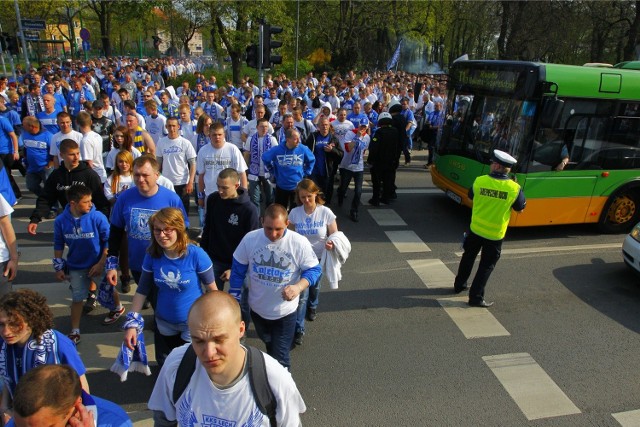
(176, 267)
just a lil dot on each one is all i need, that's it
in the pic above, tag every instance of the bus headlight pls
(635, 232)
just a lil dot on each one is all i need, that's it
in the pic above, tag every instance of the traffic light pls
(252, 56)
(267, 44)
(4, 41)
(12, 45)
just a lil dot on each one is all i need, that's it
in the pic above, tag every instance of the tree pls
(191, 18)
(104, 10)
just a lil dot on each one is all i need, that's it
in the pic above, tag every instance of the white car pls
(631, 248)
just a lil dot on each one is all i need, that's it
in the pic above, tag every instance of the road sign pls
(33, 24)
(86, 46)
(31, 35)
(85, 35)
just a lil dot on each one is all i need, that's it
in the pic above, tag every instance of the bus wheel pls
(621, 212)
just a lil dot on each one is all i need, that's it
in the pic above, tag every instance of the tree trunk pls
(504, 29)
(633, 40)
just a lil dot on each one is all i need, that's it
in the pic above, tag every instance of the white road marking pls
(535, 393)
(533, 250)
(37, 255)
(386, 217)
(474, 322)
(407, 241)
(628, 419)
(433, 273)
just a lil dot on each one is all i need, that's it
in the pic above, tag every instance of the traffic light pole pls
(24, 43)
(260, 58)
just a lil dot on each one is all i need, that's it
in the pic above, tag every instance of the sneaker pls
(374, 202)
(146, 304)
(52, 214)
(75, 338)
(354, 216)
(311, 314)
(125, 284)
(297, 340)
(90, 304)
(113, 316)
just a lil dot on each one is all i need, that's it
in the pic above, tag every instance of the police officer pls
(494, 196)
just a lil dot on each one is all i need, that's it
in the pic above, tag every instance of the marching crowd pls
(118, 157)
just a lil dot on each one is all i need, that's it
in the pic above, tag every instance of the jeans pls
(262, 186)
(200, 209)
(345, 180)
(308, 299)
(286, 198)
(34, 179)
(277, 335)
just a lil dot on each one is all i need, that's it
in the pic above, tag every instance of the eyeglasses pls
(166, 231)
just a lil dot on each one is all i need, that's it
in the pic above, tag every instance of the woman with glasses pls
(176, 267)
(29, 340)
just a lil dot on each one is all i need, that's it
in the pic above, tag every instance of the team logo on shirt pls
(290, 159)
(233, 219)
(139, 224)
(171, 279)
(272, 266)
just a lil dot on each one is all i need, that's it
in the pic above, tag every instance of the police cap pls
(503, 158)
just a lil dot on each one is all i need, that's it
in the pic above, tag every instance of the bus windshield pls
(481, 123)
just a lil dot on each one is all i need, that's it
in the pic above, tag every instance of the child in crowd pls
(85, 231)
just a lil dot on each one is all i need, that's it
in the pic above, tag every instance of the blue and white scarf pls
(34, 354)
(357, 150)
(105, 295)
(211, 110)
(255, 155)
(132, 360)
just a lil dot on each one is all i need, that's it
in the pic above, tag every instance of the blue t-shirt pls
(86, 237)
(319, 168)
(177, 281)
(49, 121)
(6, 145)
(36, 150)
(132, 212)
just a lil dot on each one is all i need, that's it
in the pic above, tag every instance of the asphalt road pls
(393, 346)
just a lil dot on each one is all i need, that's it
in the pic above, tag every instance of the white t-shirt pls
(188, 131)
(314, 226)
(204, 404)
(156, 127)
(54, 149)
(124, 183)
(233, 130)
(252, 127)
(348, 161)
(91, 149)
(272, 266)
(6, 209)
(110, 161)
(211, 161)
(341, 129)
(175, 154)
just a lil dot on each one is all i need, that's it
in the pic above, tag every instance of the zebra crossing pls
(523, 379)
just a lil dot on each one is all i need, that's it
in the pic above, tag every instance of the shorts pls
(79, 282)
(170, 329)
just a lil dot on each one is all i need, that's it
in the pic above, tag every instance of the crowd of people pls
(119, 157)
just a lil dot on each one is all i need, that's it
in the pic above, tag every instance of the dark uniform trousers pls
(491, 250)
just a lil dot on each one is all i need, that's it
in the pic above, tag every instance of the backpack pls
(262, 392)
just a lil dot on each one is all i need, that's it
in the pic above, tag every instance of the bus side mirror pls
(551, 110)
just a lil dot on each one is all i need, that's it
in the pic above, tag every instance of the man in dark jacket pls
(328, 153)
(383, 159)
(230, 214)
(71, 171)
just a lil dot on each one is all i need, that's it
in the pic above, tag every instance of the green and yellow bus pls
(575, 131)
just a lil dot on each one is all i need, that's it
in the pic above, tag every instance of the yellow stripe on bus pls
(559, 210)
